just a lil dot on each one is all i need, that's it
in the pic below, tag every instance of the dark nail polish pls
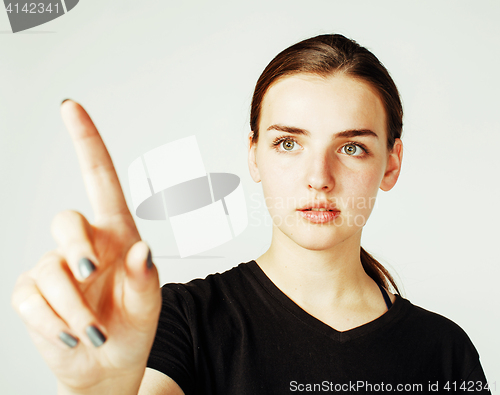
(86, 267)
(67, 339)
(95, 336)
(149, 262)
(64, 101)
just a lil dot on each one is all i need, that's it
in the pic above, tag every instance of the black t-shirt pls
(237, 333)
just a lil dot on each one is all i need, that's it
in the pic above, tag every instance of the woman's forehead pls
(323, 103)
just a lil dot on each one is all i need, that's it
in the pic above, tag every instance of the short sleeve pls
(172, 350)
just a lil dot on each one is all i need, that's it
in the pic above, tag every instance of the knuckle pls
(29, 305)
(16, 293)
(46, 259)
(20, 280)
(65, 218)
(37, 316)
(22, 289)
(79, 319)
(47, 256)
(48, 268)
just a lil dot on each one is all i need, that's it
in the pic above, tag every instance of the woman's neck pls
(330, 285)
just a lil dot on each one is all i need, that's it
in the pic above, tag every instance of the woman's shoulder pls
(236, 280)
(433, 326)
(427, 316)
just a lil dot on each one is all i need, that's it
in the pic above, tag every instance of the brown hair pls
(325, 55)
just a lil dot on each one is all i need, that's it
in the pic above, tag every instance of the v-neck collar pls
(394, 314)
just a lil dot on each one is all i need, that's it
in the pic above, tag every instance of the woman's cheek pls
(359, 194)
(279, 179)
(278, 197)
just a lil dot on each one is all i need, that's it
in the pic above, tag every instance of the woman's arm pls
(157, 383)
(92, 304)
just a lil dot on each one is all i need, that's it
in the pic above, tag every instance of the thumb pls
(142, 294)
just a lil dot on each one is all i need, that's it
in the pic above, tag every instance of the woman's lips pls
(319, 217)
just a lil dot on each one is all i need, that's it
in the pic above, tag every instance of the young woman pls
(312, 314)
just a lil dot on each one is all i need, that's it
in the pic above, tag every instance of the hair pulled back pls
(326, 55)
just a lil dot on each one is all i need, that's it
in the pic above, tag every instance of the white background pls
(150, 72)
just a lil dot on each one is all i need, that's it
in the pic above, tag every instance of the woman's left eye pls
(352, 149)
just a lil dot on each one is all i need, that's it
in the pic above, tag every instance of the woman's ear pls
(252, 162)
(393, 167)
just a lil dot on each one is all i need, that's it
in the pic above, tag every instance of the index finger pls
(99, 175)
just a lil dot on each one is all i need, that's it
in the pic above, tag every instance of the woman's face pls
(322, 140)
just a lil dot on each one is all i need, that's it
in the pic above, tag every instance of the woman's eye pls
(352, 150)
(288, 145)
(285, 145)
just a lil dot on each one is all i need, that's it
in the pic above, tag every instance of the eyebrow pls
(345, 133)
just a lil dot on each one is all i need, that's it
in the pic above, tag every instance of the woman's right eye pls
(286, 143)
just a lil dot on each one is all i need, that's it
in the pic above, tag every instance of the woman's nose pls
(319, 173)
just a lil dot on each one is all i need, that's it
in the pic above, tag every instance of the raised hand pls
(92, 304)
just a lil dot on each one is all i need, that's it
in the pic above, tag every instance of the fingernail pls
(149, 262)
(64, 101)
(86, 267)
(95, 336)
(67, 339)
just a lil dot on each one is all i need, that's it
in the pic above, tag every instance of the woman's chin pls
(315, 240)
